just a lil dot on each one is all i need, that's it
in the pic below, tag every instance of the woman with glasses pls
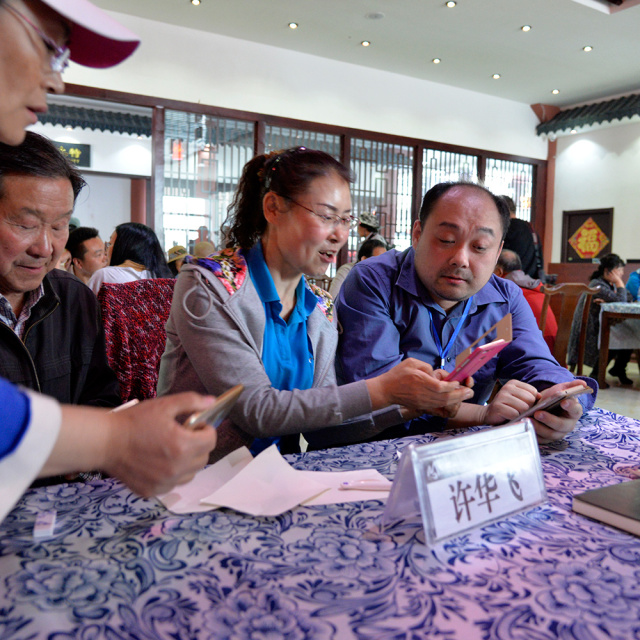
(247, 315)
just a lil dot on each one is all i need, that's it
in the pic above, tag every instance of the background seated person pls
(247, 315)
(369, 248)
(633, 285)
(64, 261)
(510, 267)
(433, 300)
(88, 253)
(175, 259)
(51, 336)
(522, 240)
(368, 227)
(133, 253)
(203, 249)
(608, 276)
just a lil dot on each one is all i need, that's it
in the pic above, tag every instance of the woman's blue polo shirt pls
(287, 353)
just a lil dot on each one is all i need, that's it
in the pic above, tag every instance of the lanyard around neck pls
(444, 352)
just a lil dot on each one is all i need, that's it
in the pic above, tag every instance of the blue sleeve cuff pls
(587, 401)
(16, 408)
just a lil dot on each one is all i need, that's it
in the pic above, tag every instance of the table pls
(123, 567)
(619, 329)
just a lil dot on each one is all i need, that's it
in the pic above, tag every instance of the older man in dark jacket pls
(51, 336)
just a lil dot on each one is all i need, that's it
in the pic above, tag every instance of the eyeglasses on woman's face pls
(58, 56)
(327, 219)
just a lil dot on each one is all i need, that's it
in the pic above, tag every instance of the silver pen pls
(365, 485)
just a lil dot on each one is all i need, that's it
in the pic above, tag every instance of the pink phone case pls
(478, 358)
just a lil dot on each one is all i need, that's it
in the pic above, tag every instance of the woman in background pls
(134, 253)
(608, 276)
(247, 315)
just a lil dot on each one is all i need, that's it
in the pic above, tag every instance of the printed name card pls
(467, 481)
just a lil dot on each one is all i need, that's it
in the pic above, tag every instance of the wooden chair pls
(569, 294)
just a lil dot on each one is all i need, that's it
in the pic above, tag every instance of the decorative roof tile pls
(597, 113)
(115, 121)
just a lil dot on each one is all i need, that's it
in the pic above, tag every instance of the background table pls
(123, 567)
(619, 329)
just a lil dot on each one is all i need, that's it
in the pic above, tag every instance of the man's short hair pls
(435, 193)
(77, 238)
(37, 156)
(509, 261)
(368, 246)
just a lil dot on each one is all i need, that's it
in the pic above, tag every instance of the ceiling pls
(474, 40)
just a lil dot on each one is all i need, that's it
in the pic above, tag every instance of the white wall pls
(104, 203)
(185, 64)
(110, 152)
(601, 169)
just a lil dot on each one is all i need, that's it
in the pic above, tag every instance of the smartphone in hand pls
(218, 412)
(475, 360)
(552, 403)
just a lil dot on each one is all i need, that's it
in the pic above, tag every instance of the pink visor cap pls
(96, 40)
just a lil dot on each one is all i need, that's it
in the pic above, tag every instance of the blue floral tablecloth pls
(120, 566)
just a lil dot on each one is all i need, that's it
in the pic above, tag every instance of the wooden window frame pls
(158, 106)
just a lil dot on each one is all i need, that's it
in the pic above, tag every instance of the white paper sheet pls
(186, 498)
(265, 486)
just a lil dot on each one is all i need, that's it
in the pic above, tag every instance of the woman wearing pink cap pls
(38, 436)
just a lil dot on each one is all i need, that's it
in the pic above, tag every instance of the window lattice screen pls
(384, 175)
(284, 138)
(204, 157)
(513, 179)
(446, 166)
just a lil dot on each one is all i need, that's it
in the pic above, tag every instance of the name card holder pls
(468, 481)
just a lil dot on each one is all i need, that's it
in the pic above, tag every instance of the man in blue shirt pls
(435, 299)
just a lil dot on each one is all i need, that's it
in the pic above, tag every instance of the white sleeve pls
(21, 467)
(96, 280)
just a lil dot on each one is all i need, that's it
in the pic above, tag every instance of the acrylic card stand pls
(468, 481)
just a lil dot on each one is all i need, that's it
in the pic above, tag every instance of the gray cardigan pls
(218, 344)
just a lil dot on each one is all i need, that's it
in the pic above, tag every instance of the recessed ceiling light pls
(436, 61)
(573, 131)
(587, 48)
(365, 43)
(555, 91)
(496, 76)
(195, 3)
(525, 27)
(451, 4)
(293, 25)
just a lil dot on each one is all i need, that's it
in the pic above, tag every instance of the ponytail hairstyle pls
(287, 173)
(139, 243)
(607, 263)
